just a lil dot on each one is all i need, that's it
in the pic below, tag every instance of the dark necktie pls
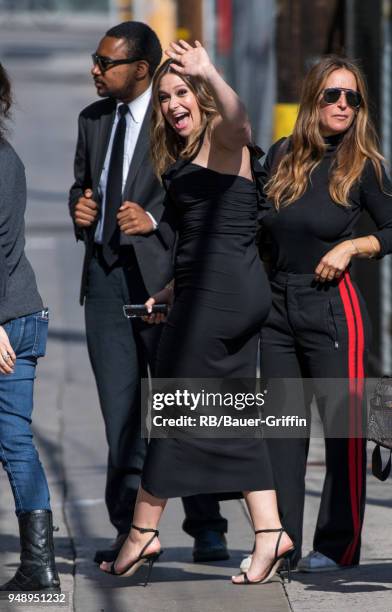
(111, 232)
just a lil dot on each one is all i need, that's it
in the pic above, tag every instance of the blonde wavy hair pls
(166, 145)
(307, 145)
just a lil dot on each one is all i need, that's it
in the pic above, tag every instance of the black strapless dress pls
(222, 298)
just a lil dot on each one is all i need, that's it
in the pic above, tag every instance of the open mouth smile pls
(181, 120)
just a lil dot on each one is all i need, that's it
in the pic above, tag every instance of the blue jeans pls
(18, 454)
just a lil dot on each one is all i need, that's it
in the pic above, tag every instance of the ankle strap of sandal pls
(269, 530)
(145, 530)
(280, 531)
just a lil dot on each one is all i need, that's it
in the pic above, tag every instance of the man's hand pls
(86, 210)
(132, 219)
(7, 355)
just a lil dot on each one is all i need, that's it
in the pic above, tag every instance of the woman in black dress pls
(322, 178)
(200, 136)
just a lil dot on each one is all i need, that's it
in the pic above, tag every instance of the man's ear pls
(142, 69)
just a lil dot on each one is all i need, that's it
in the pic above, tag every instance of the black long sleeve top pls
(305, 230)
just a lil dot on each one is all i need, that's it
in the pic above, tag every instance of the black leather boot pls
(37, 570)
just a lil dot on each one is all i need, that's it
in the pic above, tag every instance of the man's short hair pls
(141, 40)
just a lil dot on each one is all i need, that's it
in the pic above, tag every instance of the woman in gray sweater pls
(23, 334)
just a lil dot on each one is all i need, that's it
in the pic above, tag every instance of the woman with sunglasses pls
(319, 182)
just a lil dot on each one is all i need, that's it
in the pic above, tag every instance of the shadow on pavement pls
(366, 578)
(162, 572)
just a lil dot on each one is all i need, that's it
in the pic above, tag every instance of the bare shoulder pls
(219, 158)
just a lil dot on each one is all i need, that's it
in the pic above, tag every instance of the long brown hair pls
(307, 145)
(5, 100)
(166, 145)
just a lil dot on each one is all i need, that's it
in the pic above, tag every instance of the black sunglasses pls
(332, 95)
(104, 63)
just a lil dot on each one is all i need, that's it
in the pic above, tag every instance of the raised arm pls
(232, 128)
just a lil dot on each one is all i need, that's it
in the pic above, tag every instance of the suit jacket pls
(154, 250)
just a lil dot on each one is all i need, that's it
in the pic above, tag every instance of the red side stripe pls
(359, 399)
(352, 476)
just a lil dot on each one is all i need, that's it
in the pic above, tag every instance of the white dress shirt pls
(134, 120)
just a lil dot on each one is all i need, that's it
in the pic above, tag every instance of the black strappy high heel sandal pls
(150, 558)
(275, 564)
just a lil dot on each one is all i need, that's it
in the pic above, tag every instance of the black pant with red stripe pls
(320, 331)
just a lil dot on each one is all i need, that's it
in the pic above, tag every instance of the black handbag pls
(380, 426)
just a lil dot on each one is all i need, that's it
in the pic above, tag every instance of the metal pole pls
(113, 12)
(209, 26)
(139, 10)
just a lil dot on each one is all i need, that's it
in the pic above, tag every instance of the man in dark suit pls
(116, 203)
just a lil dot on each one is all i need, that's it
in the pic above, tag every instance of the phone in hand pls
(132, 311)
